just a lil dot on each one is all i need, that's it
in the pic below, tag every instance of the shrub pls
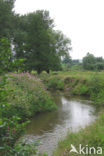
(81, 89)
(28, 96)
(55, 83)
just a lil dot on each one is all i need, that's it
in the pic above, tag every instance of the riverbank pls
(89, 84)
(27, 96)
(91, 136)
(21, 97)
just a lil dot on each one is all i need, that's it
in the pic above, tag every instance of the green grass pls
(77, 83)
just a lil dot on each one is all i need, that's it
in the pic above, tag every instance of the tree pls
(89, 62)
(62, 44)
(38, 49)
(7, 60)
(20, 36)
(99, 66)
(36, 41)
(6, 18)
(67, 59)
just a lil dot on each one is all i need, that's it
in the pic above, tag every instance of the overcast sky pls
(80, 20)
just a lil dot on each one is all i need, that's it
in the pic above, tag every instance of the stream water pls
(72, 114)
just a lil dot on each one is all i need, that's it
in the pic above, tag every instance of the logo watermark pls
(86, 150)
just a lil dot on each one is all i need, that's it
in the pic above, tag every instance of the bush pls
(28, 96)
(10, 126)
(55, 83)
(81, 89)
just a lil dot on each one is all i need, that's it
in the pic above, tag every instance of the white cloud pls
(80, 20)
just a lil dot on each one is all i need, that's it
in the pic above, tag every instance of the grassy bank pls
(92, 135)
(78, 83)
(89, 84)
(27, 96)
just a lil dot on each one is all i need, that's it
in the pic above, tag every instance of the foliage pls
(25, 149)
(33, 39)
(5, 55)
(21, 96)
(10, 126)
(8, 62)
(69, 64)
(78, 83)
(97, 90)
(66, 62)
(81, 89)
(28, 96)
(36, 41)
(55, 83)
(6, 18)
(90, 62)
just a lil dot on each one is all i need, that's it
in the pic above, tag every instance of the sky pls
(80, 20)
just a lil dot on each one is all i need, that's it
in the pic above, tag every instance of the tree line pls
(32, 39)
(89, 62)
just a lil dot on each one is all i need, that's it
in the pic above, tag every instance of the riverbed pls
(72, 114)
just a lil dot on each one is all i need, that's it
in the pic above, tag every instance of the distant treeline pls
(89, 62)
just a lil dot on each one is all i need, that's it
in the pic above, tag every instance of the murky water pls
(72, 114)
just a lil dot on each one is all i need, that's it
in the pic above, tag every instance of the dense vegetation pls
(90, 62)
(21, 97)
(27, 96)
(77, 83)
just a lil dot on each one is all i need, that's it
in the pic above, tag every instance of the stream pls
(72, 114)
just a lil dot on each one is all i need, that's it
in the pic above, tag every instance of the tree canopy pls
(32, 37)
(6, 18)
(39, 43)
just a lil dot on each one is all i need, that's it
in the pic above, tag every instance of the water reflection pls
(72, 114)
